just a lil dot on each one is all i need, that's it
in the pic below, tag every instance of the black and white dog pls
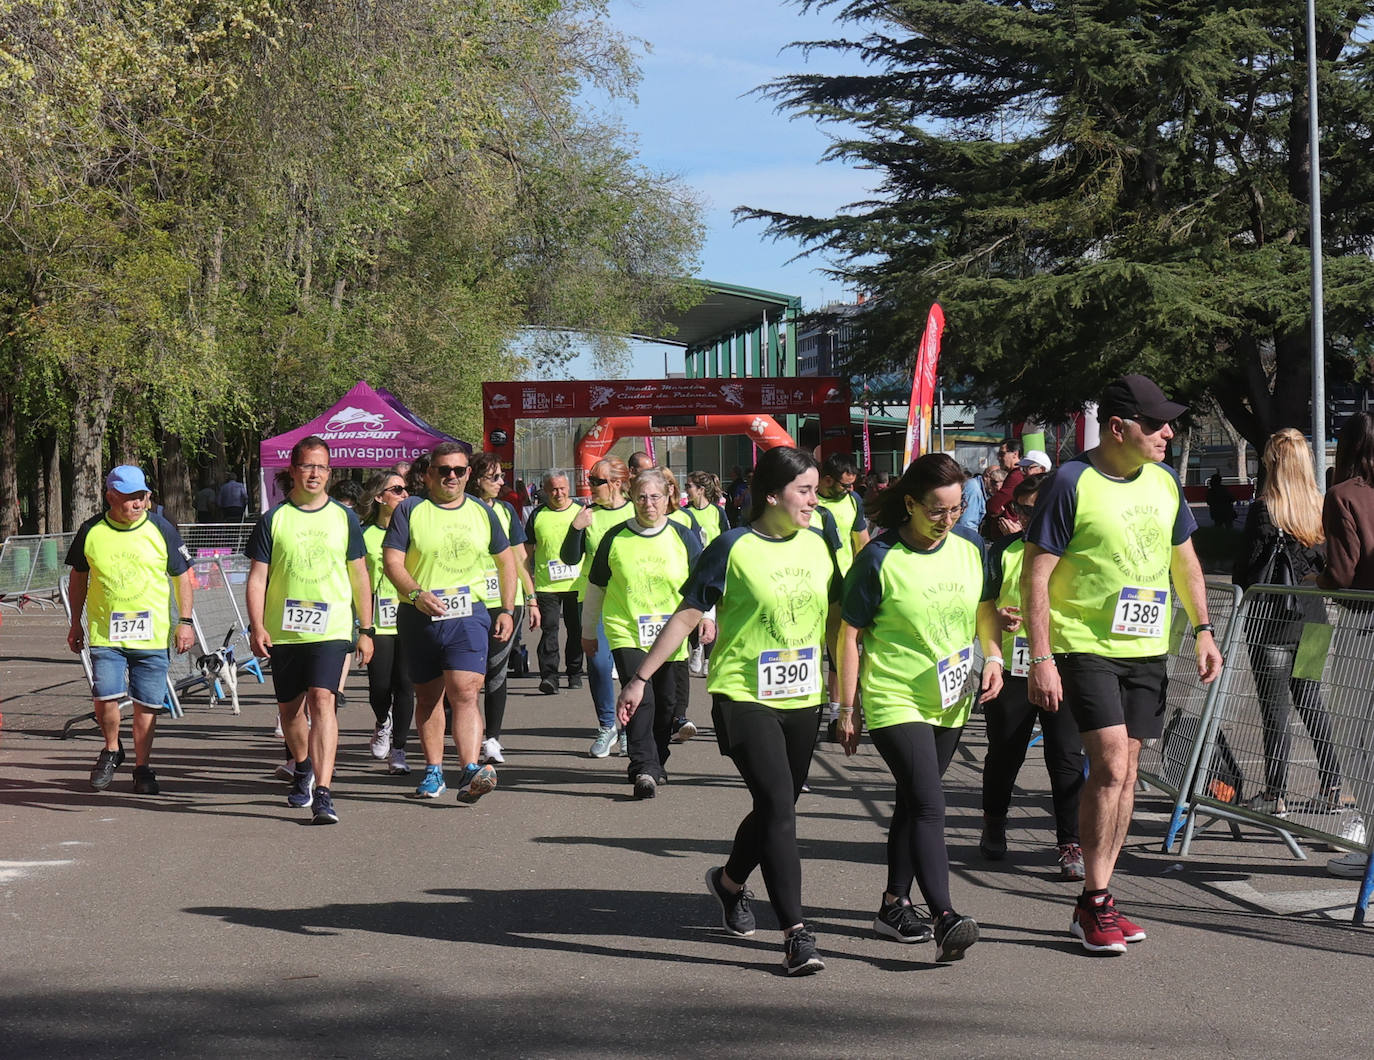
(221, 671)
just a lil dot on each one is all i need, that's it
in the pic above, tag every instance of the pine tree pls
(1092, 187)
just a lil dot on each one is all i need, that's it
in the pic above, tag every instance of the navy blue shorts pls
(297, 668)
(452, 644)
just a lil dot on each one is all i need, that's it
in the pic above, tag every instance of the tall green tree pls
(1091, 187)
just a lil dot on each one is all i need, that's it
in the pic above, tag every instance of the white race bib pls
(785, 674)
(953, 674)
(457, 603)
(1020, 657)
(304, 616)
(561, 572)
(492, 587)
(386, 612)
(650, 626)
(1140, 612)
(131, 625)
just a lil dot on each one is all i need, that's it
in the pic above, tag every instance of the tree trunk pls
(93, 403)
(52, 482)
(9, 467)
(177, 501)
(1185, 446)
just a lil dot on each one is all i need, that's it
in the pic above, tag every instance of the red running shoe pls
(1130, 930)
(1095, 926)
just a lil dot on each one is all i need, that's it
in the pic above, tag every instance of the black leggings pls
(1011, 717)
(918, 755)
(498, 661)
(772, 749)
(1272, 665)
(648, 736)
(389, 689)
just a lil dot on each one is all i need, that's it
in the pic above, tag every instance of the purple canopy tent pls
(364, 428)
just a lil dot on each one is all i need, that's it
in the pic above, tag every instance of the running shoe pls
(1070, 861)
(605, 740)
(1094, 925)
(645, 786)
(574, 680)
(622, 743)
(1273, 805)
(993, 844)
(396, 763)
(475, 782)
(286, 769)
(277, 731)
(145, 781)
(683, 730)
(1349, 866)
(432, 784)
(735, 915)
(381, 740)
(322, 808)
(491, 751)
(799, 956)
(954, 934)
(302, 785)
(900, 922)
(102, 774)
(1130, 930)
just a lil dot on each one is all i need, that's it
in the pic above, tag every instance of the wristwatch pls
(414, 594)
(367, 631)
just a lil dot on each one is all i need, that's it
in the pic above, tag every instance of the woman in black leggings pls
(913, 596)
(772, 585)
(388, 688)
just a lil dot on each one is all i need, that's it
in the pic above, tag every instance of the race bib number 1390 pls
(787, 674)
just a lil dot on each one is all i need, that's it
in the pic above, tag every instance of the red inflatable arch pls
(596, 443)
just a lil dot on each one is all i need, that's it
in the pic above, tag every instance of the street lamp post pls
(1314, 178)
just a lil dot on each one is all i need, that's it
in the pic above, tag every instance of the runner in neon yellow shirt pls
(120, 562)
(914, 598)
(555, 583)
(773, 584)
(388, 680)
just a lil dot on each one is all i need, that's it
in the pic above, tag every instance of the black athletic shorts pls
(1102, 692)
(316, 664)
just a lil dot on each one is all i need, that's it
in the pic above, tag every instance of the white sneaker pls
(491, 751)
(1350, 828)
(381, 740)
(396, 762)
(696, 662)
(605, 740)
(1348, 866)
(622, 743)
(277, 731)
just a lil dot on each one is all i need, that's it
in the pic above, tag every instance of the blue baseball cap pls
(127, 479)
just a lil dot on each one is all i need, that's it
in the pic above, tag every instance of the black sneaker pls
(145, 781)
(322, 808)
(574, 680)
(735, 915)
(900, 922)
(799, 956)
(993, 844)
(645, 786)
(954, 934)
(548, 685)
(105, 765)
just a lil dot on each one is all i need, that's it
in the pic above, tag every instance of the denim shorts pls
(139, 673)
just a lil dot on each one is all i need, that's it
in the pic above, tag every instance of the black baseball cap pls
(1133, 395)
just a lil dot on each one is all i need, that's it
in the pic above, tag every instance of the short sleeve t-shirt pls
(1004, 590)
(771, 597)
(849, 520)
(448, 550)
(309, 593)
(1109, 593)
(604, 520)
(642, 572)
(384, 595)
(545, 530)
(128, 603)
(515, 534)
(919, 614)
(712, 521)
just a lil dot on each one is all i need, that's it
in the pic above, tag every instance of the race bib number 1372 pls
(304, 616)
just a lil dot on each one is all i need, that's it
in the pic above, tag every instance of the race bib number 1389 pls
(1140, 612)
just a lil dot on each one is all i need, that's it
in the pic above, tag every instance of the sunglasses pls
(1148, 424)
(449, 470)
(396, 489)
(598, 481)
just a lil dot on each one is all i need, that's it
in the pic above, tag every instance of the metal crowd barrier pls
(223, 538)
(219, 614)
(1164, 763)
(1286, 742)
(31, 568)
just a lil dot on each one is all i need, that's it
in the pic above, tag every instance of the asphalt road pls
(559, 917)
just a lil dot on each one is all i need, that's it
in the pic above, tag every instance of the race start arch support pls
(763, 431)
(668, 403)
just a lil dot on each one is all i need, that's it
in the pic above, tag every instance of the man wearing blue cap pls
(121, 560)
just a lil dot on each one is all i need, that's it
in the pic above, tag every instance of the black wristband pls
(1205, 627)
(186, 622)
(367, 631)
(640, 677)
(505, 611)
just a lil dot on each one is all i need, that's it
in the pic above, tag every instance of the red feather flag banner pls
(923, 387)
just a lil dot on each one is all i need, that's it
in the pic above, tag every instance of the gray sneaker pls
(735, 915)
(605, 740)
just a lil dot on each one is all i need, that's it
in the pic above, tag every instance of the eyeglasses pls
(321, 468)
(449, 470)
(1148, 424)
(944, 513)
(396, 489)
(598, 481)
(1025, 511)
(650, 498)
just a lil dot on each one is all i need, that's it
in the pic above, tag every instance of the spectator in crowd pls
(205, 500)
(975, 502)
(347, 492)
(233, 499)
(1221, 506)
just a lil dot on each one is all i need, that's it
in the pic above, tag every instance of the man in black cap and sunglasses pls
(1109, 541)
